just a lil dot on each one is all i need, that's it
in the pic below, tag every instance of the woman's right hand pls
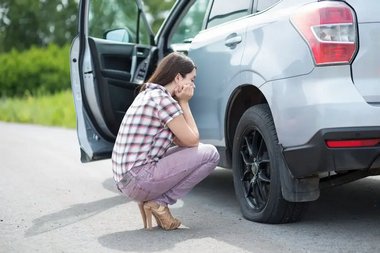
(183, 126)
(184, 92)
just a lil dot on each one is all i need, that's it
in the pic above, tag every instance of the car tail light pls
(329, 29)
(352, 143)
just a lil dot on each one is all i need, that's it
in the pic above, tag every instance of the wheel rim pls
(255, 169)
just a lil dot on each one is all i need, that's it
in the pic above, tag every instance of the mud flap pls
(298, 189)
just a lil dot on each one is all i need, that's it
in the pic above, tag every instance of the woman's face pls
(188, 79)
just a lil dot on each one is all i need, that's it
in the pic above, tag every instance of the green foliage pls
(158, 11)
(24, 23)
(51, 110)
(35, 71)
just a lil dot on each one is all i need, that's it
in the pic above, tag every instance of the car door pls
(110, 57)
(217, 51)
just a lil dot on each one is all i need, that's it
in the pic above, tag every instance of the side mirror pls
(119, 34)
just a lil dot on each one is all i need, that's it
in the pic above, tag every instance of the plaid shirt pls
(143, 134)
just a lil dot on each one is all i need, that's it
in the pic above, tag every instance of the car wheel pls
(256, 162)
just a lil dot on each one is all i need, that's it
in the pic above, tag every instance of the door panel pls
(112, 65)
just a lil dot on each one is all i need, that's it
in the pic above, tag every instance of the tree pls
(157, 11)
(24, 23)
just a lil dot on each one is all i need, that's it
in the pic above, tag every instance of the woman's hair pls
(168, 68)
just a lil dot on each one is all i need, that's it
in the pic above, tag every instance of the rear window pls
(223, 11)
(265, 4)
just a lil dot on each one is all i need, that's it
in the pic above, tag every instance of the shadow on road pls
(214, 194)
(358, 201)
(71, 215)
(76, 213)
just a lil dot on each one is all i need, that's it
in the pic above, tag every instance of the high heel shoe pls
(143, 216)
(162, 215)
(142, 212)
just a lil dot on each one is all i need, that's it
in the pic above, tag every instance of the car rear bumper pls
(315, 156)
(323, 99)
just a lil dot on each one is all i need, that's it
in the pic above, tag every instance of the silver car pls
(287, 90)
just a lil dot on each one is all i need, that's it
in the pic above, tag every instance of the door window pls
(191, 24)
(117, 20)
(265, 4)
(223, 11)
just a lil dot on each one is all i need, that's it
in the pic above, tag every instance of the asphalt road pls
(50, 202)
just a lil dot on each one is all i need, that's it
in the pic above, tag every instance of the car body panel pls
(325, 98)
(207, 102)
(366, 13)
(268, 56)
(366, 66)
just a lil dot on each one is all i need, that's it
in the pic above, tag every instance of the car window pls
(157, 11)
(223, 11)
(265, 4)
(118, 19)
(191, 23)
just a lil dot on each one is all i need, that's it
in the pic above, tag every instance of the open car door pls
(110, 57)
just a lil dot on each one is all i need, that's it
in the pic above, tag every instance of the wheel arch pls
(242, 98)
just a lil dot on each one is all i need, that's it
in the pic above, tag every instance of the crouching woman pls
(146, 166)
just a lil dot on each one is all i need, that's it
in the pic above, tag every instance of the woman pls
(146, 167)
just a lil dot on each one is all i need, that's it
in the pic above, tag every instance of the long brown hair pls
(168, 68)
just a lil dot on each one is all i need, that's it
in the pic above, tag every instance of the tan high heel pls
(162, 215)
(144, 217)
(142, 212)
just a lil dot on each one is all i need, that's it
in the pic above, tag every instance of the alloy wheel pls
(255, 169)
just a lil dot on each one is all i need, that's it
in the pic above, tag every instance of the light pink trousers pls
(172, 177)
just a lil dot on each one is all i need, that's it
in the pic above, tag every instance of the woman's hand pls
(183, 126)
(184, 92)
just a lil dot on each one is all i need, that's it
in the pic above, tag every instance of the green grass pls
(51, 110)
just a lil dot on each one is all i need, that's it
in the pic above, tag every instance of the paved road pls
(50, 202)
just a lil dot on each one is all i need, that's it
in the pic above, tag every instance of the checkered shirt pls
(143, 134)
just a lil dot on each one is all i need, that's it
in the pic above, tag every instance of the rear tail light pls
(352, 143)
(329, 29)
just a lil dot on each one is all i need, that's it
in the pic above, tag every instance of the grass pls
(50, 110)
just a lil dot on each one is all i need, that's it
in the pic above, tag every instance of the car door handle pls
(232, 40)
